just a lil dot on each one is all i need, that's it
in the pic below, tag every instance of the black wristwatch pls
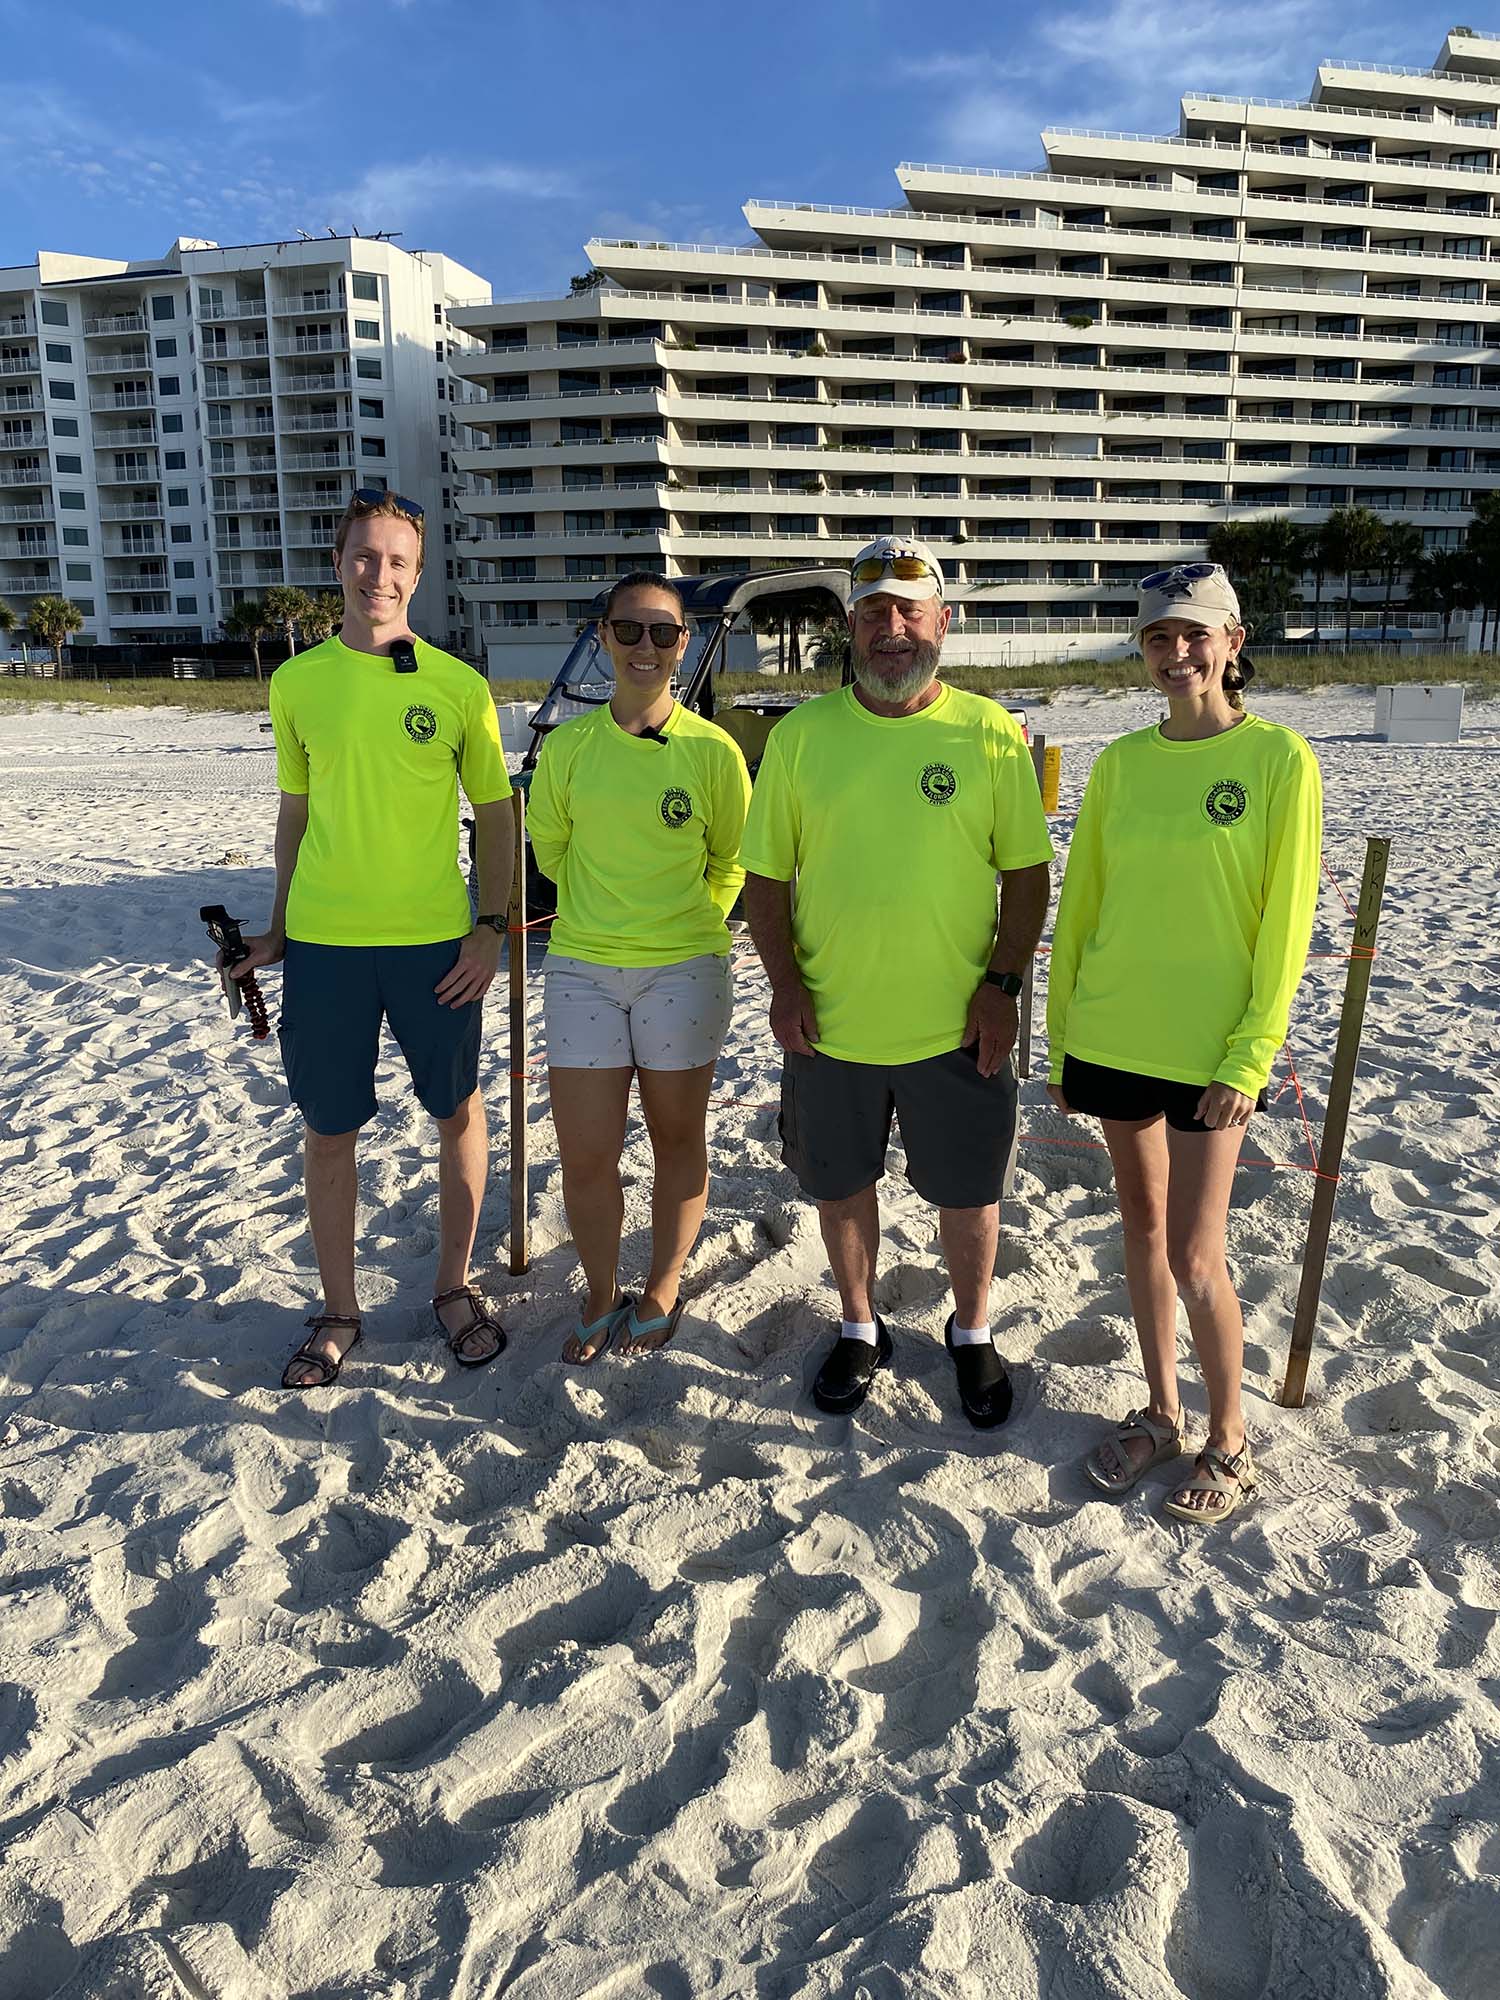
(1008, 982)
(495, 923)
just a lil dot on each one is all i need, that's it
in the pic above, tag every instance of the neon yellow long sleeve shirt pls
(1187, 905)
(642, 838)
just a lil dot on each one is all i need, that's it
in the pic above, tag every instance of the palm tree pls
(250, 620)
(1351, 539)
(1442, 580)
(8, 620)
(830, 648)
(53, 619)
(287, 605)
(1264, 560)
(327, 611)
(1483, 542)
(1400, 546)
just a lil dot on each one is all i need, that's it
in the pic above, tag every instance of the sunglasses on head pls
(1161, 579)
(376, 496)
(907, 568)
(663, 632)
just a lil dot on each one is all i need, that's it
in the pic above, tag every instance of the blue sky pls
(507, 134)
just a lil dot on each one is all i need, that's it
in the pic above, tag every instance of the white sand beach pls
(649, 1681)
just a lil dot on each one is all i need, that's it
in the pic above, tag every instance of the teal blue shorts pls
(333, 1000)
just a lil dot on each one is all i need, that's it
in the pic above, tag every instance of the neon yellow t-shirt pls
(379, 755)
(642, 838)
(1187, 906)
(894, 828)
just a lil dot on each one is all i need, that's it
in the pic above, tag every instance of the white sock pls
(969, 1336)
(859, 1329)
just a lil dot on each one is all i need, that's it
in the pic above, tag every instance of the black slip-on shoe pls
(984, 1386)
(848, 1370)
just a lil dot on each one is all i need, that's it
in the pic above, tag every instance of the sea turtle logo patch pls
(675, 806)
(939, 785)
(419, 723)
(1224, 802)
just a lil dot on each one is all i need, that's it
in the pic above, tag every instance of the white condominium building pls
(181, 434)
(1059, 378)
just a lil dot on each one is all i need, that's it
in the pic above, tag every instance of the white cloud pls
(398, 191)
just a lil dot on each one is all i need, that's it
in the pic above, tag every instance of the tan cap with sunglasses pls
(898, 566)
(1200, 591)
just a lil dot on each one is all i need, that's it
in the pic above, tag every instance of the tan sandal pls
(1111, 1466)
(1226, 1478)
(481, 1321)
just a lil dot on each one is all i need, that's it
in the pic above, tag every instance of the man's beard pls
(875, 671)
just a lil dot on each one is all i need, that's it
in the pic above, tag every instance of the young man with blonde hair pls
(375, 729)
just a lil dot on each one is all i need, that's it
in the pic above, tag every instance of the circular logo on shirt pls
(939, 785)
(419, 723)
(675, 806)
(1224, 802)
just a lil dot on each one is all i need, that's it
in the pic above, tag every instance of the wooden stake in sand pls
(520, 1049)
(1336, 1120)
(1023, 1049)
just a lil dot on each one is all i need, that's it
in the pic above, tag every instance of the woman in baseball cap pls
(1182, 931)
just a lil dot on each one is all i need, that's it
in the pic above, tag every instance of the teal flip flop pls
(637, 1329)
(610, 1323)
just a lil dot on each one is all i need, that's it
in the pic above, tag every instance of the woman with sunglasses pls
(1182, 931)
(636, 812)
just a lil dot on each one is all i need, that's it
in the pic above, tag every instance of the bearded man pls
(881, 817)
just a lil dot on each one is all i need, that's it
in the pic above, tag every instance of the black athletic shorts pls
(333, 998)
(958, 1127)
(1100, 1092)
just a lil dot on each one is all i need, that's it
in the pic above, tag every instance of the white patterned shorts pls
(636, 1016)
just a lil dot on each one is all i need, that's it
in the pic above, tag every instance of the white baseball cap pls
(898, 566)
(1200, 591)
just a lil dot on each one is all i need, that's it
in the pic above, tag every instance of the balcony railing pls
(307, 302)
(44, 550)
(141, 399)
(230, 544)
(151, 546)
(116, 323)
(18, 323)
(21, 437)
(135, 510)
(138, 363)
(35, 511)
(323, 343)
(242, 427)
(317, 422)
(313, 385)
(237, 350)
(30, 586)
(317, 462)
(24, 476)
(238, 309)
(13, 366)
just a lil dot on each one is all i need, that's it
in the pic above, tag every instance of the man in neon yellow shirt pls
(374, 730)
(892, 806)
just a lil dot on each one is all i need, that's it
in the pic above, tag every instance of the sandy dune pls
(647, 1681)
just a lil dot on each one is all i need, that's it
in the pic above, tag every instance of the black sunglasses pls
(1180, 573)
(628, 631)
(376, 496)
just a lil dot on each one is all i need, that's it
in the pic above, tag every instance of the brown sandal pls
(328, 1364)
(481, 1322)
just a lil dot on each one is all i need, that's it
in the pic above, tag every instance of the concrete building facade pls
(181, 434)
(1059, 378)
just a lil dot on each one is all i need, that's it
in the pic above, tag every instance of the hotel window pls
(372, 447)
(187, 604)
(364, 286)
(169, 385)
(68, 461)
(80, 573)
(371, 406)
(65, 427)
(182, 531)
(367, 329)
(166, 348)
(163, 306)
(54, 313)
(368, 369)
(59, 350)
(62, 392)
(182, 569)
(75, 538)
